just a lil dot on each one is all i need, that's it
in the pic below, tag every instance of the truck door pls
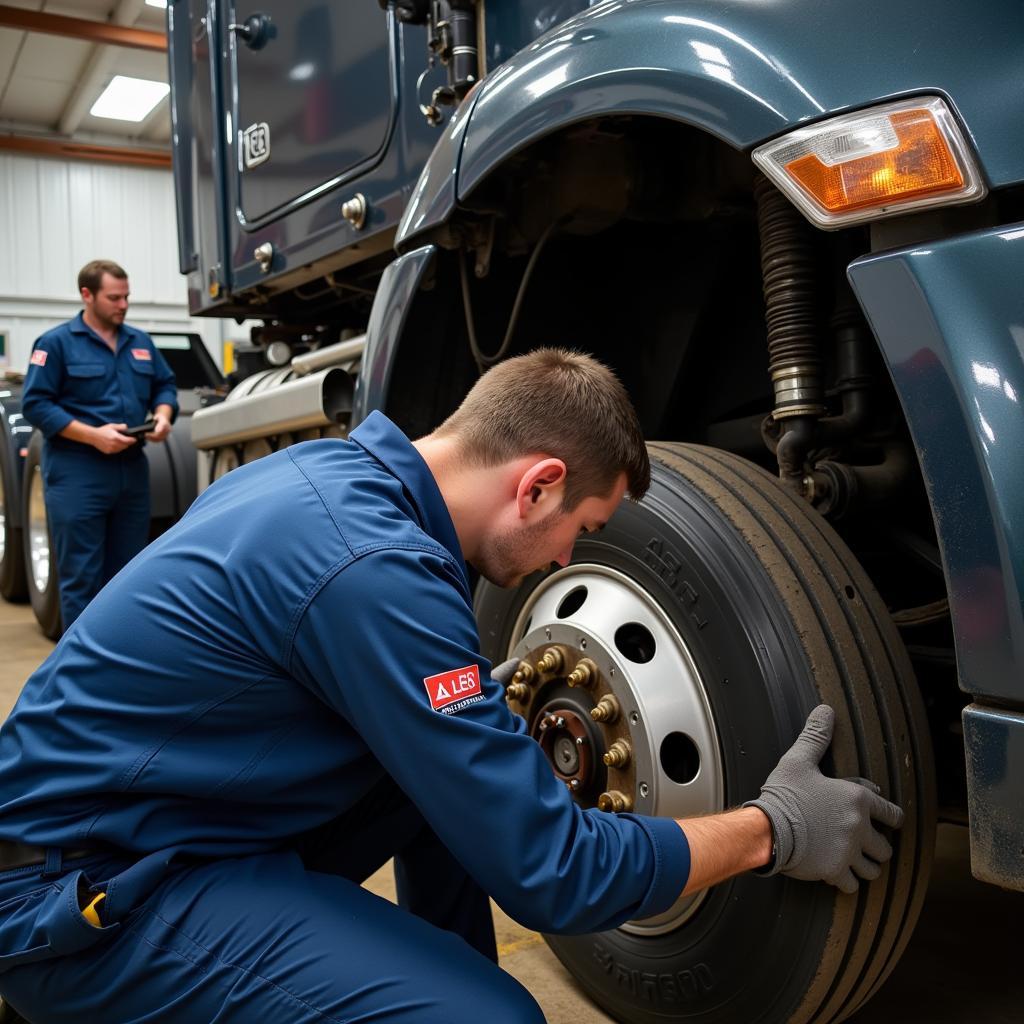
(314, 97)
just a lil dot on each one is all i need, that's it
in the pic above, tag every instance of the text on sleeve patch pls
(453, 690)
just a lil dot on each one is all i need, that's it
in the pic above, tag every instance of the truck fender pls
(395, 294)
(739, 71)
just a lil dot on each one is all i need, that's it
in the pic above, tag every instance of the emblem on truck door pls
(256, 144)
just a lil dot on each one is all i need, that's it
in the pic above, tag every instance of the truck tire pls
(760, 612)
(40, 559)
(12, 561)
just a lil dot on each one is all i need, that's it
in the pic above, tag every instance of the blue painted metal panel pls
(398, 286)
(325, 85)
(15, 436)
(995, 788)
(311, 228)
(179, 59)
(745, 72)
(949, 317)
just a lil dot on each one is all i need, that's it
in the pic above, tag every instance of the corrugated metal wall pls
(55, 216)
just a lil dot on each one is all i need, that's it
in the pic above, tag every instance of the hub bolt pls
(551, 661)
(517, 691)
(584, 674)
(573, 784)
(613, 800)
(524, 673)
(606, 709)
(619, 754)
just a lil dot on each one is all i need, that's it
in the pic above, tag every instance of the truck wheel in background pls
(12, 561)
(718, 612)
(40, 560)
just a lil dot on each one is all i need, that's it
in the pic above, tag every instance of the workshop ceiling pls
(49, 82)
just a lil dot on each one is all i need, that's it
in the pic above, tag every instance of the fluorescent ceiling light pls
(129, 99)
(157, 3)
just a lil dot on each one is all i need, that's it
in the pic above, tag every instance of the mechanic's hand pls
(109, 439)
(162, 428)
(823, 826)
(505, 671)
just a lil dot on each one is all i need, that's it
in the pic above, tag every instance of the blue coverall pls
(97, 505)
(278, 694)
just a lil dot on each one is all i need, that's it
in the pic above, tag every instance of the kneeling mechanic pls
(249, 721)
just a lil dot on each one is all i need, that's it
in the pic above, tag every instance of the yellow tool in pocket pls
(91, 912)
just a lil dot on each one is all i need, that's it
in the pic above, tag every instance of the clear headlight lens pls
(874, 163)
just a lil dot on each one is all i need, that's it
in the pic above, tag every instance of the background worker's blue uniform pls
(240, 728)
(97, 505)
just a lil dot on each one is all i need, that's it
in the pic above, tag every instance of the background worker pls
(285, 690)
(89, 379)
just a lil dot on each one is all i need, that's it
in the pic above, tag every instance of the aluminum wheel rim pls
(38, 532)
(662, 697)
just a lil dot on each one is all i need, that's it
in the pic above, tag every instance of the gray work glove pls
(822, 826)
(505, 671)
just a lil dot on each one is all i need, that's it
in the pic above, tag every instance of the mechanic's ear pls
(541, 487)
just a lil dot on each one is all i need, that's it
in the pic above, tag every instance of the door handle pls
(256, 31)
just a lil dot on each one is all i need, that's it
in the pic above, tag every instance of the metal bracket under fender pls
(995, 794)
(395, 295)
(948, 316)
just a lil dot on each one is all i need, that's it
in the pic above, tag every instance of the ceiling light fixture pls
(129, 99)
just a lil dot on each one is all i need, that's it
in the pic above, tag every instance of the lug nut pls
(584, 674)
(606, 709)
(619, 754)
(517, 691)
(551, 661)
(524, 673)
(613, 800)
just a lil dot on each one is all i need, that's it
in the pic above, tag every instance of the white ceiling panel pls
(96, 10)
(10, 40)
(34, 101)
(54, 58)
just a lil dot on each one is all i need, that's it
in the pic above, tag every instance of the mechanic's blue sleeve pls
(165, 389)
(366, 644)
(43, 386)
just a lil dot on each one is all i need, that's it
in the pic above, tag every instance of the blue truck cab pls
(796, 232)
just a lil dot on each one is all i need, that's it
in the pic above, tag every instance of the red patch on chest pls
(143, 353)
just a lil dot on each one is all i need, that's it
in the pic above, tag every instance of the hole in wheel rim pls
(572, 602)
(680, 758)
(635, 642)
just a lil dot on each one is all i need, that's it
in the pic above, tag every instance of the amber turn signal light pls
(875, 163)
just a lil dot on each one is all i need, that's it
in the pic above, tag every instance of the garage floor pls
(962, 966)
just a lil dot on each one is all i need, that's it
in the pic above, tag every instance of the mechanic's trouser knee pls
(430, 883)
(97, 508)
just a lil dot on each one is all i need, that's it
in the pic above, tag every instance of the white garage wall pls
(57, 215)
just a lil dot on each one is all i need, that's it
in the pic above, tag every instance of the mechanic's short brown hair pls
(559, 403)
(92, 273)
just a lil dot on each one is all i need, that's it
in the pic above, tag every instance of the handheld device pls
(142, 428)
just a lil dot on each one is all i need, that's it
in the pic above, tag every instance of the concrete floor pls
(962, 966)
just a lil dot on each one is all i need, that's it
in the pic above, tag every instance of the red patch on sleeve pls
(450, 688)
(38, 358)
(143, 353)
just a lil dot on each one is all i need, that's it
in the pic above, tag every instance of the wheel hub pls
(612, 695)
(572, 744)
